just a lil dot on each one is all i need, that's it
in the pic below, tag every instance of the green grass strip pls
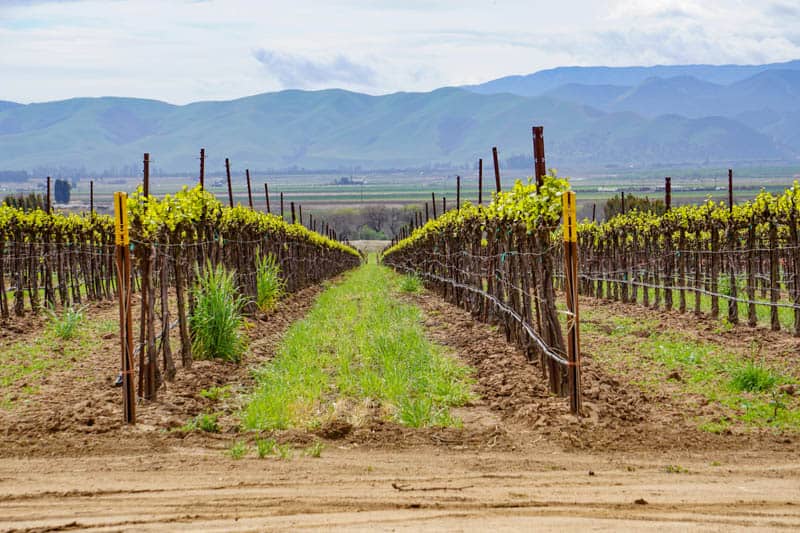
(358, 346)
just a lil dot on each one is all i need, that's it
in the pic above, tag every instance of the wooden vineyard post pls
(249, 190)
(202, 168)
(571, 286)
(125, 312)
(480, 181)
(540, 167)
(228, 173)
(496, 168)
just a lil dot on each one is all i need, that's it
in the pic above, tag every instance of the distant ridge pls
(691, 116)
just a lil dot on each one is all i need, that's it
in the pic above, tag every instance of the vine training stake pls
(123, 259)
(571, 285)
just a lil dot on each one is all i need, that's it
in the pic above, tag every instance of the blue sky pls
(187, 50)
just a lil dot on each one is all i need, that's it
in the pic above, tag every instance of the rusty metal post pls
(444, 205)
(266, 195)
(230, 187)
(496, 168)
(623, 202)
(146, 176)
(249, 190)
(540, 168)
(730, 190)
(427, 217)
(480, 181)
(300, 212)
(594, 211)
(433, 203)
(202, 168)
(668, 192)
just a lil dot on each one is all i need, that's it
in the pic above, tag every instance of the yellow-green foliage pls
(537, 208)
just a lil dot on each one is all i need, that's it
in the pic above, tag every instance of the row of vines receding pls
(744, 258)
(51, 260)
(499, 262)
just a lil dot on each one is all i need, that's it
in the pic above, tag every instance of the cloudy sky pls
(188, 50)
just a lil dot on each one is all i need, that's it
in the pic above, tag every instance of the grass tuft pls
(270, 285)
(410, 283)
(65, 325)
(217, 321)
(753, 378)
(207, 422)
(238, 450)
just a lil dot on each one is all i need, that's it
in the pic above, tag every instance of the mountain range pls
(593, 116)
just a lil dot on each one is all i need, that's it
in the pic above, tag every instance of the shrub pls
(217, 319)
(270, 285)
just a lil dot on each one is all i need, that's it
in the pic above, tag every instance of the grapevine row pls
(497, 261)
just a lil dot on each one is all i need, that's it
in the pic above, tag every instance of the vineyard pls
(746, 255)
(55, 260)
(461, 337)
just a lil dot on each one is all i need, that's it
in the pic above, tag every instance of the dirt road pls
(356, 488)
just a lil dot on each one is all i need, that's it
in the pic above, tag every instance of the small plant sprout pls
(265, 447)
(238, 450)
(315, 450)
(65, 325)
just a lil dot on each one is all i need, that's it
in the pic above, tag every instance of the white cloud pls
(182, 51)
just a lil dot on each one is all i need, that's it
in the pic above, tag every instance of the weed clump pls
(269, 283)
(65, 326)
(217, 318)
(753, 378)
(410, 283)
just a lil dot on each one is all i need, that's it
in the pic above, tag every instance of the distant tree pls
(613, 206)
(376, 216)
(62, 191)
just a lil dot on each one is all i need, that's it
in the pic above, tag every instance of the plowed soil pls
(521, 461)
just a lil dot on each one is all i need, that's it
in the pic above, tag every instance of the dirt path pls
(520, 462)
(425, 488)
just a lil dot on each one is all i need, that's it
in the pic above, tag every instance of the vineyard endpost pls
(146, 175)
(540, 167)
(571, 286)
(202, 168)
(282, 217)
(266, 196)
(496, 168)
(48, 207)
(91, 197)
(249, 190)
(125, 318)
(433, 203)
(733, 304)
(480, 181)
(228, 173)
(427, 217)
(294, 219)
(458, 192)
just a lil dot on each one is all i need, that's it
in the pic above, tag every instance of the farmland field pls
(396, 388)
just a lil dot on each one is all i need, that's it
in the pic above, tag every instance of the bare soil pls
(635, 461)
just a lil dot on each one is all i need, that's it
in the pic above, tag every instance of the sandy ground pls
(351, 488)
(521, 462)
